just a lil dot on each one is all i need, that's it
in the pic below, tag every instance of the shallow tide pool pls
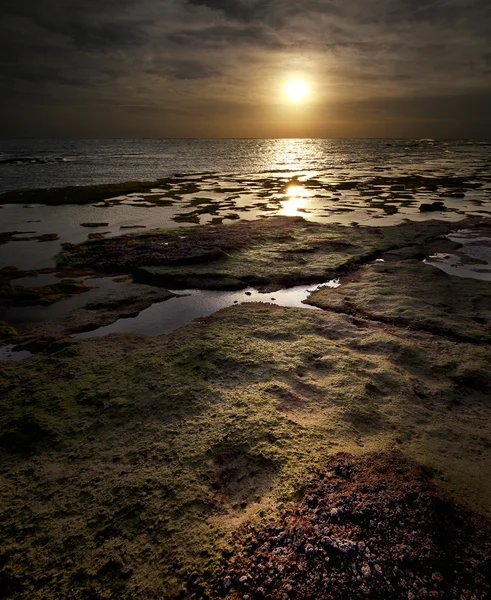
(164, 317)
(472, 260)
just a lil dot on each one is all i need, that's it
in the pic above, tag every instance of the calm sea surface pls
(50, 163)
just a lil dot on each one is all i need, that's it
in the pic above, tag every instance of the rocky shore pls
(262, 451)
(371, 526)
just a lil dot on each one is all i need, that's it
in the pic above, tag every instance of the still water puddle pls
(164, 317)
(472, 260)
(100, 289)
(7, 353)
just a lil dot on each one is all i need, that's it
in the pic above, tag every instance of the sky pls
(218, 68)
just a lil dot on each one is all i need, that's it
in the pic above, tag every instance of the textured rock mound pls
(368, 527)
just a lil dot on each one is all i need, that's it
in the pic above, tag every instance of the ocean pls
(30, 164)
(337, 181)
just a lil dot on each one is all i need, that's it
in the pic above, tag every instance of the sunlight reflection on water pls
(296, 203)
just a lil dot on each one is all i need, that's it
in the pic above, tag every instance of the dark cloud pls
(184, 69)
(243, 10)
(224, 35)
(206, 58)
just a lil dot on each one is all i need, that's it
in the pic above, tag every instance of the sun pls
(297, 90)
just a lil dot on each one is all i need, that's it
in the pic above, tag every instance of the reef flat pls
(325, 195)
(268, 254)
(155, 466)
(275, 251)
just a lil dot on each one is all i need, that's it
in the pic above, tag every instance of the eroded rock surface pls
(413, 294)
(184, 437)
(278, 250)
(371, 526)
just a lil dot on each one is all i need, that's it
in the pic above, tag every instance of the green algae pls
(21, 295)
(186, 218)
(47, 237)
(182, 437)
(277, 250)
(6, 331)
(78, 194)
(11, 236)
(410, 293)
(128, 474)
(199, 201)
(166, 199)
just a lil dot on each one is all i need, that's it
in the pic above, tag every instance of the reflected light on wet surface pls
(297, 201)
(472, 260)
(297, 191)
(293, 153)
(164, 317)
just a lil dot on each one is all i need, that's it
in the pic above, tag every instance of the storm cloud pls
(172, 68)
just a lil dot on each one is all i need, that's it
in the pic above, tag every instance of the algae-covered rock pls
(20, 295)
(6, 331)
(119, 303)
(77, 194)
(281, 250)
(183, 437)
(416, 295)
(433, 206)
(48, 237)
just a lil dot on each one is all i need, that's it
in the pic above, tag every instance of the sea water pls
(236, 164)
(29, 164)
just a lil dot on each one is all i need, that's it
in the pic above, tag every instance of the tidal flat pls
(174, 466)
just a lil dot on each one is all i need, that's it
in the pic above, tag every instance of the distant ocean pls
(27, 164)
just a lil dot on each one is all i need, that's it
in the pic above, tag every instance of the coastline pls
(136, 470)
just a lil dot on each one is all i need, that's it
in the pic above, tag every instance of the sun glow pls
(297, 191)
(297, 90)
(296, 200)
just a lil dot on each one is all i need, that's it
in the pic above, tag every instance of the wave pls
(35, 160)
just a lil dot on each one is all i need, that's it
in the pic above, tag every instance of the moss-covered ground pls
(128, 462)
(415, 295)
(274, 251)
